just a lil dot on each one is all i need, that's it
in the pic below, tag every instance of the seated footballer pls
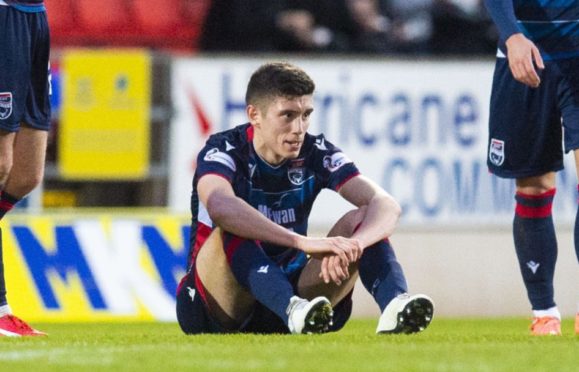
(251, 267)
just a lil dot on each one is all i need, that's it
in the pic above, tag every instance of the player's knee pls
(349, 222)
(25, 185)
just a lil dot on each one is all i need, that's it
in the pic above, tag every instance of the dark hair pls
(277, 79)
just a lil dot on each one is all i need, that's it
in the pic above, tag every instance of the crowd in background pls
(424, 27)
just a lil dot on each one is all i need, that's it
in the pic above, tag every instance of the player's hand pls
(348, 250)
(334, 269)
(523, 56)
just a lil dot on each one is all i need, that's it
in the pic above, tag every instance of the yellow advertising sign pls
(94, 268)
(104, 130)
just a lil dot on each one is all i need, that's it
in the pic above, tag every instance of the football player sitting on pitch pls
(251, 266)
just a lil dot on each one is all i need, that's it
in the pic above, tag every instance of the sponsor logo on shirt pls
(220, 157)
(278, 216)
(335, 161)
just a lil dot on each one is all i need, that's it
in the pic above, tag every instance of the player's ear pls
(253, 114)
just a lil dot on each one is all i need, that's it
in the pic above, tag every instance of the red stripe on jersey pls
(346, 180)
(203, 232)
(249, 133)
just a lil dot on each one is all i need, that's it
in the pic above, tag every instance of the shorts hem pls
(525, 173)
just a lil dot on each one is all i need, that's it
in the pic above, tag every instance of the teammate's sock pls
(552, 312)
(3, 301)
(536, 246)
(576, 231)
(5, 310)
(381, 273)
(261, 276)
(7, 202)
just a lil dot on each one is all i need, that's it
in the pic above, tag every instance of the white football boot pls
(406, 314)
(313, 316)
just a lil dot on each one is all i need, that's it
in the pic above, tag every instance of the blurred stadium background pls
(135, 95)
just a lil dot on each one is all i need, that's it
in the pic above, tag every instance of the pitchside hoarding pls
(419, 129)
(94, 267)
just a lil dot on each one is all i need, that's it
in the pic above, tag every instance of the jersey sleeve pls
(334, 167)
(215, 158)
(503, 14)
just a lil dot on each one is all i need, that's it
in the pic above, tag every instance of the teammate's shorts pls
(526, 124)
(24, 70)
(194, 316)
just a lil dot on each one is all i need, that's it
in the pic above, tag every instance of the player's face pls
(279, 131)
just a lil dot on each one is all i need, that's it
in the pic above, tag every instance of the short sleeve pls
(215, 159)
(333, 166)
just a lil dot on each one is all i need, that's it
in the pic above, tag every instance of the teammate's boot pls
(12, 326)
(313, 316)
(406, 314)
(545, 326)
(577, 324)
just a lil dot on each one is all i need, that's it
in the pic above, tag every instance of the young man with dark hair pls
(251, 266)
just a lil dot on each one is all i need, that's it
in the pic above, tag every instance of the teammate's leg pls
(6, 144)
(536, 247)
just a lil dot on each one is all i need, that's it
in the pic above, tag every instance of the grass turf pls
(447, 345)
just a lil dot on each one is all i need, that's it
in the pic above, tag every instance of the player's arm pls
(522, 54)
(382, 210)
(236, 216)
(380, 220)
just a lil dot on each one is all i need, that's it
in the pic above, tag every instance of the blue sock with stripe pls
(536, 246)
(381, 273)
(256, 272)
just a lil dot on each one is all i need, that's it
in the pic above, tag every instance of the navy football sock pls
(3, 300)
(7, 202)
(536, 246)
(261, 276)
(576, 231)
(381, 273)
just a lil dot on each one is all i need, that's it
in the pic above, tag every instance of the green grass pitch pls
(447, 345)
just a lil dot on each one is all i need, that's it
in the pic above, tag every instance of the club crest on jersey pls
(5, 105)
(497, 152)
(296, 175)
(335, 161)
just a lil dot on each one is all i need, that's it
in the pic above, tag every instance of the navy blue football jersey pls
(553, 25)
(283, 193)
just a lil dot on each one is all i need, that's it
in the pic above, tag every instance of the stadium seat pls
(158, 16)
(171, 23)
(61, 16)
(103, 16)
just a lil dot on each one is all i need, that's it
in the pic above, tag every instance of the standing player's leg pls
(536, 248)
(24, 119)
(381, 274)
(29, 149)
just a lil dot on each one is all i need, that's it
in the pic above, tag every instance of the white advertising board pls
(419, 129)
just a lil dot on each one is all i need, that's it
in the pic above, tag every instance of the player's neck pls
(266, 154)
